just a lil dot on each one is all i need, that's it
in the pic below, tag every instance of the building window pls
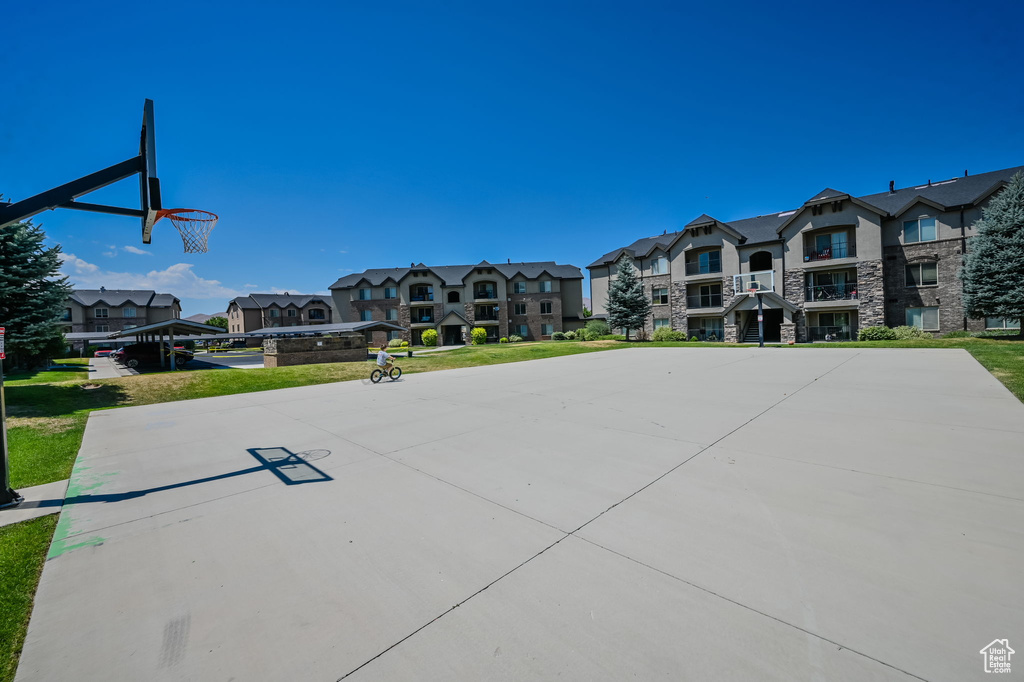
(391, 314)
(659, 296)
(102, 328)
(833, 319)
(705, 263)
(291, 312)
(545, 286)
(421, 292)
(522, 330)
(660, 322)
(921, 230)
(485, 290)
(99, 312)
(453, 297)
(369, 338)
(316, 314)
(364, 294)
(923, 318)
(659, 266)
(365, 315)
(519, 308)
(711, 329)
(127, 312)
(922, 274)
(1001, 323)
(547, 329)
(519, 287)
(545, 307)
(390, 292)
(392, 335)
(67, 315)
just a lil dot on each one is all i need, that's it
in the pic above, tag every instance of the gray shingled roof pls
(258, 301)
(453, 275)
(118, 297)
(948, 193)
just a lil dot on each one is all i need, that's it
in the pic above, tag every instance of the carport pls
(165, 331)
(320, 329)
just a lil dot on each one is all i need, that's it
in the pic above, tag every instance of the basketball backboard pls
(149, 183)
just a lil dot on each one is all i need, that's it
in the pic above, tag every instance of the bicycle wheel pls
(376, 375)
(395, 373)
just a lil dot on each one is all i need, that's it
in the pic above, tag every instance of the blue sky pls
(334, 137)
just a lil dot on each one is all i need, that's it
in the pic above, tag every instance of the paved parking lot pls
(726, 514)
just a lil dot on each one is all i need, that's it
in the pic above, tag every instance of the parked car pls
(103, 353)
(148, 353)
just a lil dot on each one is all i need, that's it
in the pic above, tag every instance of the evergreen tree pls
(628, 307)
(993, 271)
(32, 294)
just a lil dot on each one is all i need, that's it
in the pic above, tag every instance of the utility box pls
(311, 350)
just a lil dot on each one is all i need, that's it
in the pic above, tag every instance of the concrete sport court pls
(697, 514)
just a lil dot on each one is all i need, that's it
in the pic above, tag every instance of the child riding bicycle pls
(384, 360)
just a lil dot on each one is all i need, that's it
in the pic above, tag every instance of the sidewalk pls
(105, 368)
(39, 501)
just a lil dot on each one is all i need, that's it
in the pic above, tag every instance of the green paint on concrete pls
(59, 547)
(82, 482)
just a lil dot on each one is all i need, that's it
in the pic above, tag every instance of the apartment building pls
(532, 300)
(112, 310)
(257, 311)
(833, 265)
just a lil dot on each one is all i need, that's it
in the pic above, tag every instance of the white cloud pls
(177, 280)
(343, 252)
(251, 287)
(135, 249)
(110, 254)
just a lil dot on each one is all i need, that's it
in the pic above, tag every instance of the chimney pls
(102, 289)
(510, 261)
(965, 172)
(892, 187)
(929, 182)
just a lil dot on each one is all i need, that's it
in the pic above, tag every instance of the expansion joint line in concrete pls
(573, 533)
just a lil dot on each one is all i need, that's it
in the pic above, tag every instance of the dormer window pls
(519, 287)
(364, 294)
(659, 266)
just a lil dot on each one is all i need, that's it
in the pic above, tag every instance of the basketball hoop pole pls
(760, 322)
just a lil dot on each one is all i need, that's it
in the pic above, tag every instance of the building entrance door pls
(451, 335)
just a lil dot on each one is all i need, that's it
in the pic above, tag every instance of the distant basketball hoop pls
(193, 225)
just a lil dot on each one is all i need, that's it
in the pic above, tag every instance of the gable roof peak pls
(702, 219)
(827, 194)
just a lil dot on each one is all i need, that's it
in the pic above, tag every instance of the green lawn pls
(47, 415)
(23, 548)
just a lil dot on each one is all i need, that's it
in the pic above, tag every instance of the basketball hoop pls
(752, 292)
(193, 225)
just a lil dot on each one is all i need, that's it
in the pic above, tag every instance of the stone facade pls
(870, 294)
(947, 295)
(658, 310)
(677, 300)
(788, 332)
(313, 350)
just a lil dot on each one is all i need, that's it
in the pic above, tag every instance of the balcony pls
(485, 295)
(829, 333)
(422, 319)
(813, 253)
(415, 298)
(704, 301)
(831, 292)
(698, 268)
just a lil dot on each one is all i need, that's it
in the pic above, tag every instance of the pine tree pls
(993, 271)
(628, 307)
(32, 294)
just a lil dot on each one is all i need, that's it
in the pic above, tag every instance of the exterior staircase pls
(750, 334)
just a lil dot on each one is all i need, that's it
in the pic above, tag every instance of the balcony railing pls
(421, 297)
(698, 268)
(704, 301)
(708, 334)
(489, 317)
(485, 294)
(829, 333)
(422, 318)
(812, 253)
(832, 292)
(763, 280)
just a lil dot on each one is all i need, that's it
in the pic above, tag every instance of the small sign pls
(3, 355)
(760, 318)
(319, 343)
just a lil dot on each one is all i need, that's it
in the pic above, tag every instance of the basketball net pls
(193, 225)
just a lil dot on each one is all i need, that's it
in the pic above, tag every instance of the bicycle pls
(378, 373)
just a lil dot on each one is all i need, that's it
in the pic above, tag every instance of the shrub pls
(570, 336)
(395, 343)
(558, 336)
(479, 335)
(90, 351)
(612, 337)
(429, 337)
(503, 339)
(667, 334)
(958, 334)
(405, 344)
(598, 327)
(694, 338)
(903, 333)
(879, 333)
(514, 338)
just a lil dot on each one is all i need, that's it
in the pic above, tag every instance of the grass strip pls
(23, 548)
